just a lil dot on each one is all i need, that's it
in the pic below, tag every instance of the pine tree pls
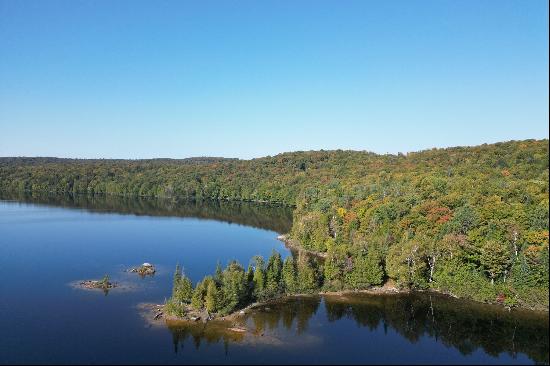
(273, 274)
(185, 291)
(250, 283)
(335, 266)
(182, 288)
(259, 277)
(234, 289)
(176, 278)
(211, 299)
(307, 276)
(289, 275)
(218, 275)
(197, 299)
(374, 272)
(366, 271)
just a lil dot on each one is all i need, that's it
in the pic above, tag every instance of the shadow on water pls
(263, 216)
(464, 326)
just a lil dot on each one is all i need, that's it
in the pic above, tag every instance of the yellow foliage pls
(341, 212)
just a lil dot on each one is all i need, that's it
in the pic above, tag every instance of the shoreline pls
(154, 313)
(293, 245)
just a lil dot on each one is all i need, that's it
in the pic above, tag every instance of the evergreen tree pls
(366, 271)
(273, 274)
(182, 288)
(333, 269)
(218, 274)
(374, 271)
(212, 298)
(185, 291)
(250, 282)
(177, 278)
(289, 275)
(308, 280)
(233, 292)
(259, 278)
(197, 300)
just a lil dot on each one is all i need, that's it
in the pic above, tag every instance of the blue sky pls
(143, 79)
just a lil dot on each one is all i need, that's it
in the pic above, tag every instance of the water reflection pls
(464, 326)
(269, 217)
(203, 333)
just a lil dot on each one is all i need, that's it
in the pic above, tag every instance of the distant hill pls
(54, 160)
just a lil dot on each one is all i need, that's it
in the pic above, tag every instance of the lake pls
(48, 242)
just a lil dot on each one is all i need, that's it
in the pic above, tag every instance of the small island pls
(146, 269)
(104, 284)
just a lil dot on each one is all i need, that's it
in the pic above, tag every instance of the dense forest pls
(469, 221)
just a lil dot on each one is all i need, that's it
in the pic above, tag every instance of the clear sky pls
(143, 79)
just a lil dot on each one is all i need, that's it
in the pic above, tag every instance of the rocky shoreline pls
(155, 313)
(293, 245)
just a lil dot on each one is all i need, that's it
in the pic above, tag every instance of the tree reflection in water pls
(464, 326)
(262, 216)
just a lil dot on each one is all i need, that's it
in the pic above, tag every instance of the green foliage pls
(308, 279)
(174, 308)
(211, 301)
(197, 299)
(177, 277)
(406, 264)
(366, 271)
(465, 281)
(233, 292)
(336, 267)
(182, 289)
(273, 283)
(218, 274)
(289, 277)
(258, 279)
(182, 293)
(104, 282)
(495, 258)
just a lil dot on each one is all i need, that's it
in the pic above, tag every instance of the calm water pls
(46, 243)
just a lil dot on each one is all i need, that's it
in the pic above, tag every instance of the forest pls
(467, 221)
